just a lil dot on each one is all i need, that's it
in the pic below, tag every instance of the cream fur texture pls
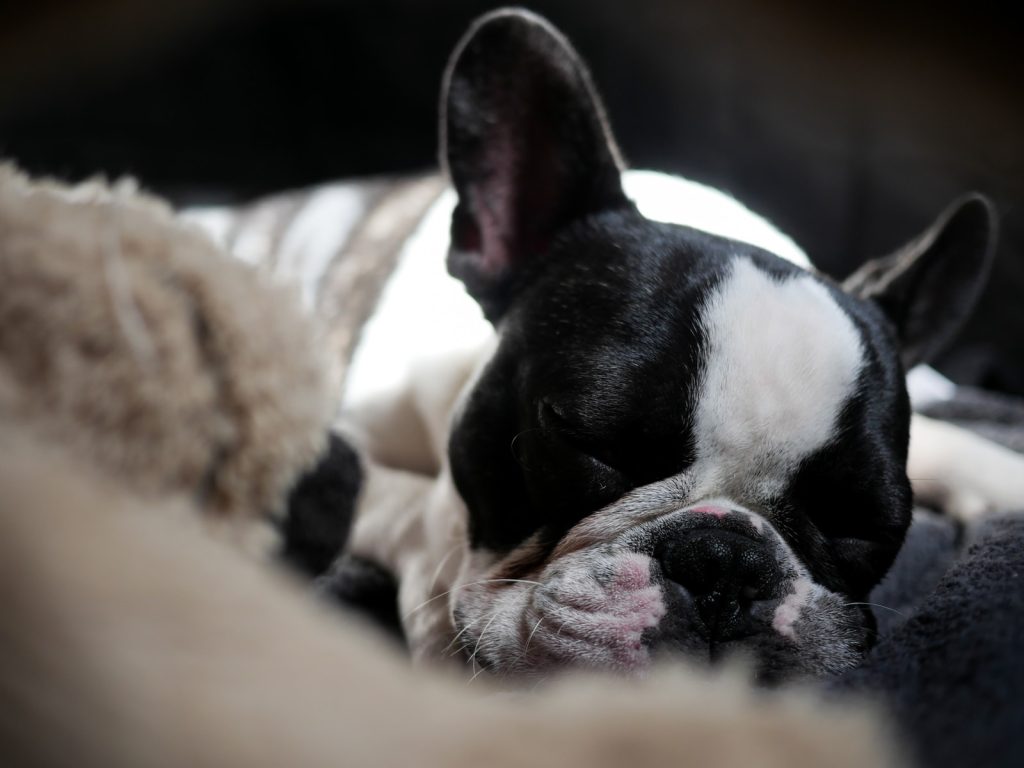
(133, 338)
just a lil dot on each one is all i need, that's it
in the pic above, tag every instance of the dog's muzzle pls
(706, 581)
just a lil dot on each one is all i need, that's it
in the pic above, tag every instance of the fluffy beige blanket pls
(156, 399)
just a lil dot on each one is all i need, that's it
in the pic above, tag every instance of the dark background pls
(849, 124)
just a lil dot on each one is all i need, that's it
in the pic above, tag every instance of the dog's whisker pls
(502, 581)
(472, 658)
(879, 605)
(494, 615)
(475, 675)
(526, 648)
(512, 445)
(460, 633)
(427, 602)
(464, 586)
(440, 566)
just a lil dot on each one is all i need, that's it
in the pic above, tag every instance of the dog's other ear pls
(527, 146)
(929, 287)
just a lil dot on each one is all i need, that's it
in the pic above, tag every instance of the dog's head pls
(682, 441)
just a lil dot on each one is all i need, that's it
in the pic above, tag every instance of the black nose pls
(725, 573)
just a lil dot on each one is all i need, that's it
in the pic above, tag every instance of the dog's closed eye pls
(580, 433)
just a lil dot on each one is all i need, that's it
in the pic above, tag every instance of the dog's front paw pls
(589, 622)
(961, 473)
(968, 503)
(586, 613)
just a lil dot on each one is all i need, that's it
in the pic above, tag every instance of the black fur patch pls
(321, 507)
(365, 588)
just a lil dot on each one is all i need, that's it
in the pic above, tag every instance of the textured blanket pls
(949, 663)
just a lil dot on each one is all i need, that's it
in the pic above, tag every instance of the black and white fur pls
(633, 419)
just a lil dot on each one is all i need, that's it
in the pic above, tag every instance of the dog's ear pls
(527, 146)
(929, 287)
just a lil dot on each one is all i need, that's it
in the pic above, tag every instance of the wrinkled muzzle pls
(708, 581)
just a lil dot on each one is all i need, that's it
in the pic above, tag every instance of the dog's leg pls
(406, 426)
(389, 429)
(413, 526)
(962, 473)
(409, 518)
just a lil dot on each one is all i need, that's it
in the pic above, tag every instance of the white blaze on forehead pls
(781, 359)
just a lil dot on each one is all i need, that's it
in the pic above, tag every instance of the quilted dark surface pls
(952, 674)
(949, 663)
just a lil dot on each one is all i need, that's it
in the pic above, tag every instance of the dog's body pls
(404, 385)
(655, 427)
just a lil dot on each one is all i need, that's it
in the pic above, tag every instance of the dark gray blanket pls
(949, 663)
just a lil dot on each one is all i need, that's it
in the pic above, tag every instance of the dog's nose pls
(724, 572)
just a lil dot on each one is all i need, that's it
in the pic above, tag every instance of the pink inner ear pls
(494, 204)
(519, 195)
(495, 245)
(710, 509)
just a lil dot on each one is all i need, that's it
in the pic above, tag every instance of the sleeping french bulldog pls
(631, 419)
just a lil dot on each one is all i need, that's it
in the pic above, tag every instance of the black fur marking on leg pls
(321, 508)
